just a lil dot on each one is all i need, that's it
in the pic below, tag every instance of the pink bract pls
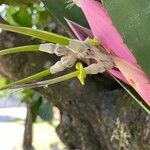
(104, 30)
(135, 77)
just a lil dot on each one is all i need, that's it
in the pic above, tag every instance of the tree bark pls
(97, 116)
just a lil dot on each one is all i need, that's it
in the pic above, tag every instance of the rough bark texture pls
(97, 116)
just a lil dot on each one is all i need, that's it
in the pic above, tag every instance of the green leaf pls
(9, 15)
(132, 19)
(59, 10)
(23, 18)
(19, 16)
(41, 107)
(42, 18)
(27, 95)
(36, 104)
(43, 35)
(46, 111)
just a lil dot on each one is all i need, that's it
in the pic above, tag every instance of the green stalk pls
(48, 82)
(60, 79)
(43, 35)
(42, 83)
(19, 49)
(28, 79)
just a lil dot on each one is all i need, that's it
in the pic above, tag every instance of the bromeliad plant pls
(101, 48)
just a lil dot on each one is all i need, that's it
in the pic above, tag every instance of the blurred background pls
(27, 120)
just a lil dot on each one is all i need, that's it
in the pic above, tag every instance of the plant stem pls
(43, 83)
(28, 79)
(19, 49)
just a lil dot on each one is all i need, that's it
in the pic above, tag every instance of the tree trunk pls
(97, 116)
(27, 140)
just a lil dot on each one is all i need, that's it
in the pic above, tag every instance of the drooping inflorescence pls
(85, 51)
(89, 51)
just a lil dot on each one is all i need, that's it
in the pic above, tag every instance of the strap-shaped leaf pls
(43, 35)
(59, 10)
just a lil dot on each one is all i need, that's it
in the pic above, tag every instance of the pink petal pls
(136, 77)
(81, 32)
(118, 75)
(103, 29)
